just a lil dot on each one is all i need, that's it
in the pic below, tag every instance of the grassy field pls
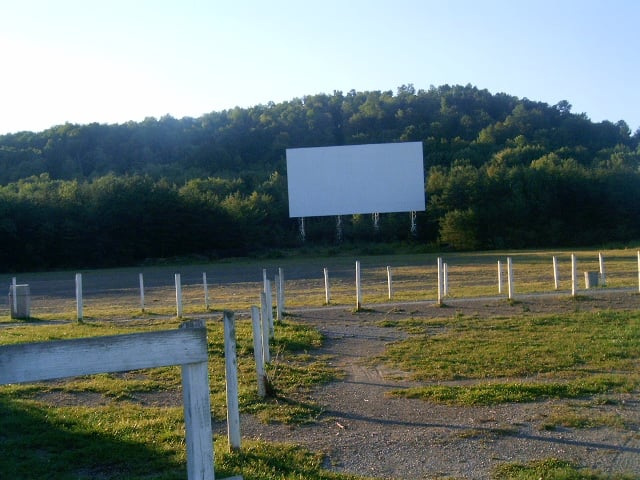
(236, 285)
(112, 426)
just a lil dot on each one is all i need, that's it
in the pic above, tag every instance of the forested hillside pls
(502, 172)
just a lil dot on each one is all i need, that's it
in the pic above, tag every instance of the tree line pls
(501, 172)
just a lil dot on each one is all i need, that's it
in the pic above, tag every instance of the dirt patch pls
(364, 431)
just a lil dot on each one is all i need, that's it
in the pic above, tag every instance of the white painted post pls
(389, 282)
(257, 351)
(603, 278)
(178, 295)
(281, 290)
(269, 297)
(499, 277)
(264, 323)
(327, 290)
(574, 275)
(358, 287)
(141, 282)
(510, 278)
(638, 270)
(231, 380)
(445, 280)
(79, 296)
(206, 290)
(556, 278)
(276, 286)
(197, 414)
(14, 293)
(439, 263)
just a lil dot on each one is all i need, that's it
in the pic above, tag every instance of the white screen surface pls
(374, 178)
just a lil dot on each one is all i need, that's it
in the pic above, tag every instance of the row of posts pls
(591, 279)
(21, 308)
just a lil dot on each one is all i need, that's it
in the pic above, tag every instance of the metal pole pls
(389, 282)
(556, 278)
(499, 277)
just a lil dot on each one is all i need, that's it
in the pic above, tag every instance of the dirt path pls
(365, 432)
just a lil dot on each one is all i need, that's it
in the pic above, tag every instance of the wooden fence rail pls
(186, 346)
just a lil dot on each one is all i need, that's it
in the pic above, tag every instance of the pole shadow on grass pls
(37, 442)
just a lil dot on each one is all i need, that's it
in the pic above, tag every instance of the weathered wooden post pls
(258, 352)
(79, 312)
(358, 287)
(556, 278)
(327, 291)
(206, 290)
(389, 282)
(574, 275)
(178, 295)
(231, 381)
(141, 282)
(510, 278)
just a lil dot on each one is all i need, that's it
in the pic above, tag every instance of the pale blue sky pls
(112, 61)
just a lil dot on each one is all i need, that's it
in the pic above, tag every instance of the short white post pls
(358, 287)
(206, 290)
(603, 277)
(281, 291)
(638, 270)
(79, 296)
(574, 275)
(264, 323)
(257, 351)
(445, 280)
(141, 282)
(389, 282)
(439, 263)
(510, 278)
(269, 296)
(231, 370)
(178, 295)
(276, 283)
(14, 293)
(327, 290)
(556, 278)
(499, 277)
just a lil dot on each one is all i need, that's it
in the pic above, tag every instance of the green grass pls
(129, 442)
(557, 356)
(121, 438)
(495, 393)
(552, 469)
